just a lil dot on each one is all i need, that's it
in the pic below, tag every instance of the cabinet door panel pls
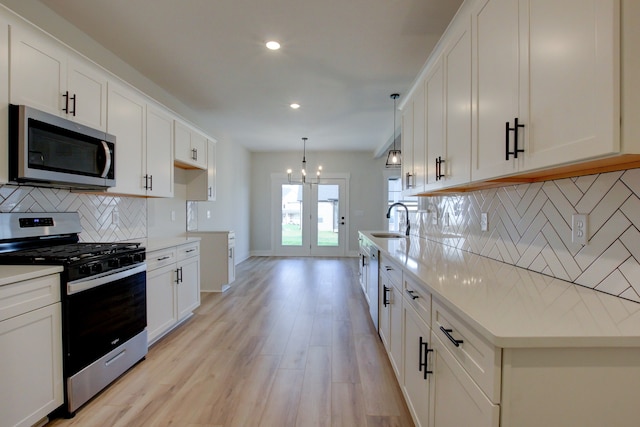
(497, 81)
(126, 120)
(417, 388)
(457, 165)
(419, 138)
(189, 288)
(573, 81)
(31, 368)
(457, 400)
(407, 148)
(38, 71)
(161, 312)
(89, 86)
(159, 153)
(434, 87)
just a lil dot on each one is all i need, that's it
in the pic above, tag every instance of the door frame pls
(277, 180)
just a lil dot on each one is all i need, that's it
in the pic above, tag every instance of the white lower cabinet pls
(31, 384)
(173, 287)
(188, 282)
(457, 400)
(417, 370)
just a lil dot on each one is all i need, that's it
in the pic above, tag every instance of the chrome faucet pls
(405, 208)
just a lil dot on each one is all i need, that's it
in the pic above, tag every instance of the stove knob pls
(97, 268)
(85, 269)
(126, 260)
(137, 258)
(115, 262)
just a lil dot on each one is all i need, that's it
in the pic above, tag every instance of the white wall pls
(366, 204)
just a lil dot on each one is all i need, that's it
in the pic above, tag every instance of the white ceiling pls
(340, 59)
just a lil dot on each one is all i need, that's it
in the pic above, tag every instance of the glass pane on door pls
(291, 215)
(328, 215)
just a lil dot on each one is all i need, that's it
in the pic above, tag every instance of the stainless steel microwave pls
(47, 150)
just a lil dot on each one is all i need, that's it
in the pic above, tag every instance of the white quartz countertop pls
(154, 244)
(511, 306)
(17, 273)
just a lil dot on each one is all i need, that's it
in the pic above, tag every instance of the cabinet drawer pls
(392, 270)
(22, 297)
(418, 297)
(188, 251)
(479, 358)
(160, 258)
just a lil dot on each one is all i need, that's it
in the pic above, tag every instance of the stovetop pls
(67, 253)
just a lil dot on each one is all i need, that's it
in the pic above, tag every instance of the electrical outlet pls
(434, 218)
(484, 222)
(446, 219)
(208, 214)
(115, 217)
(173, 215)
(579, 229)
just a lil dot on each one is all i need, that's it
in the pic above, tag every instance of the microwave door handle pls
(107, 162)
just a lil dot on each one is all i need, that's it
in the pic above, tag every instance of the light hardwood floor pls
(290, 344)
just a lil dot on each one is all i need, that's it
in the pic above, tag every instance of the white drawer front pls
(160, 258)
(418, 297)
(22, 297)
(188, 251)
(393, 271)
(479, 358)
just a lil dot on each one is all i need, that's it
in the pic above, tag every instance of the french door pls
(310, 218)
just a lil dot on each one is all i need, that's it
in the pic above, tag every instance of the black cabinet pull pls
(411, 294)
(388, 268)
(73, 98)
(179, 275)
(210, 190)
(150, 182)
(515, 129)
(66, 102)
(439, 174)
(447, 332)
(194, 154)
(385, 300)
(424, 350)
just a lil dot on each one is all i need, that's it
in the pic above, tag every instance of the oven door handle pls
(95, 281)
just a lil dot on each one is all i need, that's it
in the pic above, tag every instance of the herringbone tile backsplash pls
(530, 226)
(104, 218)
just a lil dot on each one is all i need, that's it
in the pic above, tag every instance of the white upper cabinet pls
(434, 101)
(45, 75)
(408, 175)
(419, 140)
(159, 151)
(497, 83)
(190, 147)
(552, 66)
(457, 57)
(127, 116)
(201, 185)
(4, 99)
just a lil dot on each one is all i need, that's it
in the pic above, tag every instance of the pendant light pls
(394, 158)
(303, 173)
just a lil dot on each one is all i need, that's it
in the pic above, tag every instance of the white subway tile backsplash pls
(96, 211)
(530, 226)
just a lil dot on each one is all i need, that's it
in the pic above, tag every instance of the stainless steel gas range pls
(104, 310)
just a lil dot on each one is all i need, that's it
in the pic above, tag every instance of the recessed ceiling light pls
(273, 45)
(295, 106)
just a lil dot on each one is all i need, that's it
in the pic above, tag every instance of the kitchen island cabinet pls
(31, 384)
(506, 342)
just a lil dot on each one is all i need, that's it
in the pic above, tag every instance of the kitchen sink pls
(385, 235)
